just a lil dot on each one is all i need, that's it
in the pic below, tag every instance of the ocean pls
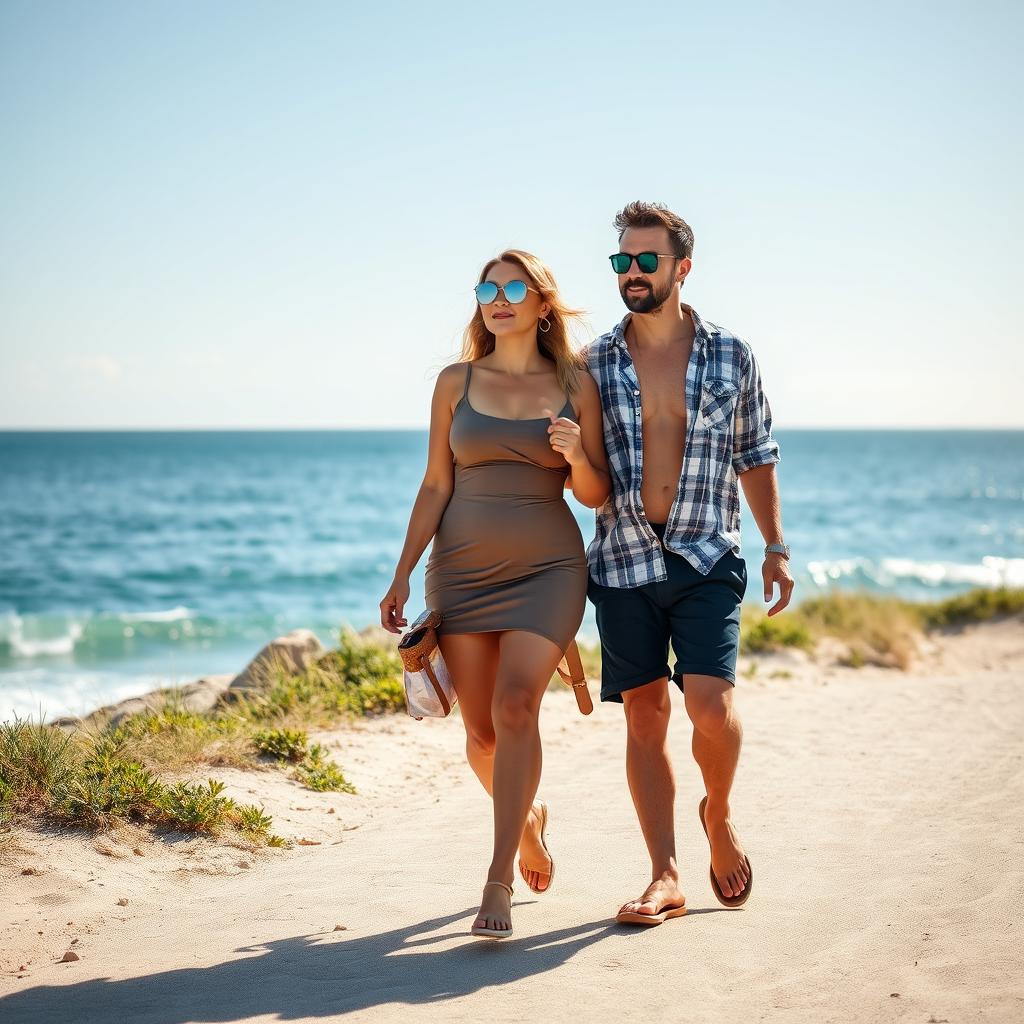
(130, 560)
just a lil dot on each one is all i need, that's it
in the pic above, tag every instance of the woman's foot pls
(495, 917)
(536, 864)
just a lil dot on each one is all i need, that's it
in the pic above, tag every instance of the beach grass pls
(874, 630)
(105, 773)
(94, 782)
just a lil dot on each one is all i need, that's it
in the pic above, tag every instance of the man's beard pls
(645, 303)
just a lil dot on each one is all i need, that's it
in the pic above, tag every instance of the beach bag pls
(429, 692)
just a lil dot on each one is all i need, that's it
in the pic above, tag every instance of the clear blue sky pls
(271, 214)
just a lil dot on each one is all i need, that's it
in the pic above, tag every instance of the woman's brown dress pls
(508, 553)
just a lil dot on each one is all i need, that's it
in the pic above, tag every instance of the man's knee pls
(648, 710)
(710, 705)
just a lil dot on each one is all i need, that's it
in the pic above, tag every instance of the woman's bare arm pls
(583, 446)
(431, 499)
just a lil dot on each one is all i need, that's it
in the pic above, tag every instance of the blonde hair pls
(555, 344)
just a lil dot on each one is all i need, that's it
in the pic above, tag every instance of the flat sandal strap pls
(502, 884)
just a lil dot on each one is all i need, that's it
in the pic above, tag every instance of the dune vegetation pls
(106, 773)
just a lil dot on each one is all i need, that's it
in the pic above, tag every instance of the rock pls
(122, 902)
(294, 652)
(68, 957)
(337, 928)
(202, 695)
(31, 871)
(66, 722)
(138, 852)
(309, 842)
(379, 635)
(244, 864)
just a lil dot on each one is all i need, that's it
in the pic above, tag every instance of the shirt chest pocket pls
(718, 404)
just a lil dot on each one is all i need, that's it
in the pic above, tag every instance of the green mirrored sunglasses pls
(647, 262)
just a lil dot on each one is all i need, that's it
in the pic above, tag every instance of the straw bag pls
(429, 692)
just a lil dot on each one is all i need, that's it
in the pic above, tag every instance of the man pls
(684, 418)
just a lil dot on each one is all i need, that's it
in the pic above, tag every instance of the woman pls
(507, 569)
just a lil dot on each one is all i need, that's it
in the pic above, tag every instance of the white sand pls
(882, 812)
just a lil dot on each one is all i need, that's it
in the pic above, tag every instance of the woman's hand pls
(565, 437)
(393, 604)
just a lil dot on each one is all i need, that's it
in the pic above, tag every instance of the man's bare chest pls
(662, 380)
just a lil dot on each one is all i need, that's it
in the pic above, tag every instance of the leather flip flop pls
(544, 843)
(726, 901)
(632, 917)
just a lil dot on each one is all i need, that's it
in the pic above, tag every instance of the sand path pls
(882, 812)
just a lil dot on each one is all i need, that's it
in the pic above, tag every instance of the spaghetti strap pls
(469, 371)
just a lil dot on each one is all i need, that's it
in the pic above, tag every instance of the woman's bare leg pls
(472, 660)
(525, 666)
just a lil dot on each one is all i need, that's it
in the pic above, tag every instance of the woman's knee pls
(480, 741)
(516, 706)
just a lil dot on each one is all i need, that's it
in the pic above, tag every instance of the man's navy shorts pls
(699, 615)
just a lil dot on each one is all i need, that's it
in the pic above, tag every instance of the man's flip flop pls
(543, 842)
(494, 933)
(726, 901)
(632, 917)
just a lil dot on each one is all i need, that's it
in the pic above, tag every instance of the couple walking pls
(651, 425)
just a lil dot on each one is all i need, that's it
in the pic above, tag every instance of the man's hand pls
(776, 570)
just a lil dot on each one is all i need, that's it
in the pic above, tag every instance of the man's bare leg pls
(652, 785)
(717, 737)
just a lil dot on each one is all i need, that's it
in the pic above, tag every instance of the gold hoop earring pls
(544, 320)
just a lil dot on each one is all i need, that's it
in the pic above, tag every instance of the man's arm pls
(761, 489)
(755, 453)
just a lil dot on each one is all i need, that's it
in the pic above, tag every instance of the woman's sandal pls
(494, 933)
(523, 870)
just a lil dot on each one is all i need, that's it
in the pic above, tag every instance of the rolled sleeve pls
(753, 444)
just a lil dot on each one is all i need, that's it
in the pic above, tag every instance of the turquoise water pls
(129, 560)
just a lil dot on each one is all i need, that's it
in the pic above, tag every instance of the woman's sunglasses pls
(647, 262)
(514, 291)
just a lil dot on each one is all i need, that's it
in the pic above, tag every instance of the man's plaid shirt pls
(728, 431)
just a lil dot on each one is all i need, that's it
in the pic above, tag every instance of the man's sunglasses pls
(514, 291)
(647, 262)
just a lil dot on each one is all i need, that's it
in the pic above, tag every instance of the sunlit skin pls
(660, 339)
(500, 677)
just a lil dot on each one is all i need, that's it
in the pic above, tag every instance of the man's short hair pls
(639, 214)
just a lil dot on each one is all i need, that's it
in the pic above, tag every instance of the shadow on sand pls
(312, 976)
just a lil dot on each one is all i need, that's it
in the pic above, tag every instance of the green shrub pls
(974, 606)
(761, 633)
(195, 808)
(320, 774)
(284, 744)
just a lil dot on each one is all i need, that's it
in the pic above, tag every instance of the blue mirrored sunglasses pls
(514, 291)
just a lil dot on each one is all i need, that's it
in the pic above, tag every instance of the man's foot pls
(730, 867)
(536, 864)
(661, 900)
(495, 917)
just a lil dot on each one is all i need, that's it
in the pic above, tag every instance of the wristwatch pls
(777, 549)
